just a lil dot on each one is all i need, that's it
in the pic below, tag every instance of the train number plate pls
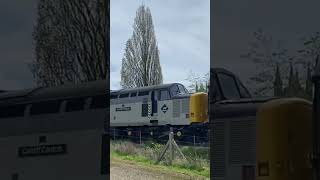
(42, 150)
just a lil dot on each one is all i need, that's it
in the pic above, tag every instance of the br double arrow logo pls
(164, 108)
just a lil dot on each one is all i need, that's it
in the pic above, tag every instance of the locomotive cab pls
(226, 86)
(257, 138)
(232, 127)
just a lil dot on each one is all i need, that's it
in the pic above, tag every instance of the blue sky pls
(182, 29)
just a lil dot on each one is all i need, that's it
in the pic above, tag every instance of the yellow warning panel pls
(284, 140)
(199, 107)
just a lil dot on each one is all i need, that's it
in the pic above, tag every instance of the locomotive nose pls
(198, 107)
(284, 139)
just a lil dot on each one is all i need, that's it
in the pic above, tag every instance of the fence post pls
(170, 145)
(194, 140)
(140, 136)
(114, 133)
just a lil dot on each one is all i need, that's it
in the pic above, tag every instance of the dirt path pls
(127, 170)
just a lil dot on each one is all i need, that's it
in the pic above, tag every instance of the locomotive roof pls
(238, 108)
(74, 90)
(145, 88)
(64, 91)
(222, 70)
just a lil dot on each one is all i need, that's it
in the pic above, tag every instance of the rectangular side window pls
(143, 93)
(75, 104)
(99, 102)
(124, 95)
(45, 107)
(228, 86)
(164, 95)
(12, 111)
(113, 96)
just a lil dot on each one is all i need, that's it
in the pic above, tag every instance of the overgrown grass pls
(197, 158)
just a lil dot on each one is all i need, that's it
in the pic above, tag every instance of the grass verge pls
(146, 155)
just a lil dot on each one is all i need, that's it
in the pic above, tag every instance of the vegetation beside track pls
(197, 163)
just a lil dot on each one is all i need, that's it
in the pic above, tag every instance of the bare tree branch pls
(141, 61)
(70, 41)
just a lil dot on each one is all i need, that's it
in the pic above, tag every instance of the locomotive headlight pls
(179, 133)
(263, 169)
(187, 116)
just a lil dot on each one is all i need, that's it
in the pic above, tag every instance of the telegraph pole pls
(316, 119)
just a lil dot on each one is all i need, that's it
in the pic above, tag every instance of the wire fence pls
(142, 137)
(184, 150)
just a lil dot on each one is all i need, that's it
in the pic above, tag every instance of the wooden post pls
(171, 144)
(180, 152)
(163, 152)
(140, 137)
(194, 144)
